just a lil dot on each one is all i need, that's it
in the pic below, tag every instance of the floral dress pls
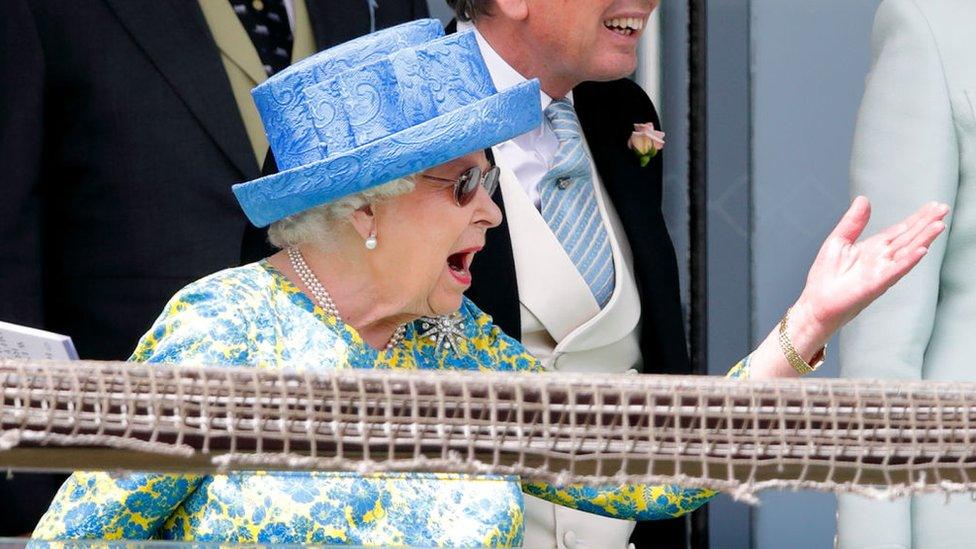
(253, 316)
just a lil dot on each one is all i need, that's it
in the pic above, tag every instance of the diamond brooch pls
(443, 331)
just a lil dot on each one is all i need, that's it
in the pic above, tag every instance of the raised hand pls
(846, 277)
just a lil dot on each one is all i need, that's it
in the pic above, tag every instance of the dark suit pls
(120, 140)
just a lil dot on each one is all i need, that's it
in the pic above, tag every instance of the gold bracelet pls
(796, 361)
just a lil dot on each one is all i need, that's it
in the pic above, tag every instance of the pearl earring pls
(371, 241)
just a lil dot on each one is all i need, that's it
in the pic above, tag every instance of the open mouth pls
(459, 264)
(624, 26)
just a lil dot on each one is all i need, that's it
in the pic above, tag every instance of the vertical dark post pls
(697, 184)
(697, 204)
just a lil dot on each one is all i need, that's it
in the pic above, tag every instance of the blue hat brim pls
(471, 128)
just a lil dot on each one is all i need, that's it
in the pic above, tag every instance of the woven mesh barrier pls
(880, 439)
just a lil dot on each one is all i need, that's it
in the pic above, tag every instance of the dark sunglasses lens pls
(467, 186)
(491, 180)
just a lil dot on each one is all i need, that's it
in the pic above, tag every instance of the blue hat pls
(383, 106)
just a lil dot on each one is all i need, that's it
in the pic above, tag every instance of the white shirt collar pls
(502, 74)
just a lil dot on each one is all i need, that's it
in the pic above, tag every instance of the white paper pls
(21, 342)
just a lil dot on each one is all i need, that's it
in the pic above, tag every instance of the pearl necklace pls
(323, 298)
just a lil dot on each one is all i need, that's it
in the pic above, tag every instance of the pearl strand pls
(323, 298)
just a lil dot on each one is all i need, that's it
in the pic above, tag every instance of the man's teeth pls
(624, 25)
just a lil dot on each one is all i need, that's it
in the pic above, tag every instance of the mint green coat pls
(915, 142)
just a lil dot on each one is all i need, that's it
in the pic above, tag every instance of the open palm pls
(848, 275)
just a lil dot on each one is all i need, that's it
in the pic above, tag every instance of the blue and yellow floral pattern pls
(253, 316)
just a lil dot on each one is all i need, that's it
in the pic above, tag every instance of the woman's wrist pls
(799, 364)
(806, 335)
(806, 331)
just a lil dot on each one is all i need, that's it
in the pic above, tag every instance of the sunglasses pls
(466, 186)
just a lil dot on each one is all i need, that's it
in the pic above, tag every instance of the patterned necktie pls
(569, 204)
(266, 22)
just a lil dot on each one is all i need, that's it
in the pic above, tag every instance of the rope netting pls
(877, 438)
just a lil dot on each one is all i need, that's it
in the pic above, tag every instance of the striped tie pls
(569, 204)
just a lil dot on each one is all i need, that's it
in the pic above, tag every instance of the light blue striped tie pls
(569, 204)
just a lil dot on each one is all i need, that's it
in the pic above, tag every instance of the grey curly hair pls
(317, 226)
(469, 10)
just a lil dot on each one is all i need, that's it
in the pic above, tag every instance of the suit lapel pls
(174, 35)
(636, 194)
(629, 185)
(232, 39)
(304, 33)
(542, 264)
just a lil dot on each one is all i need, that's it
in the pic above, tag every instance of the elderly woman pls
(382, 204)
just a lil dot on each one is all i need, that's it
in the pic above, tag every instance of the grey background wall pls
(785, 81)
(729, 223)
(809, 59)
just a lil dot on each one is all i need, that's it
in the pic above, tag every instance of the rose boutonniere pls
(646, 142)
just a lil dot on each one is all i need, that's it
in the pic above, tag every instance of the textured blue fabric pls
(380, 107)
(282, 105)
(569, 204)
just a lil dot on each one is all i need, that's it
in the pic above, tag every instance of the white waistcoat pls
(564, 327)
